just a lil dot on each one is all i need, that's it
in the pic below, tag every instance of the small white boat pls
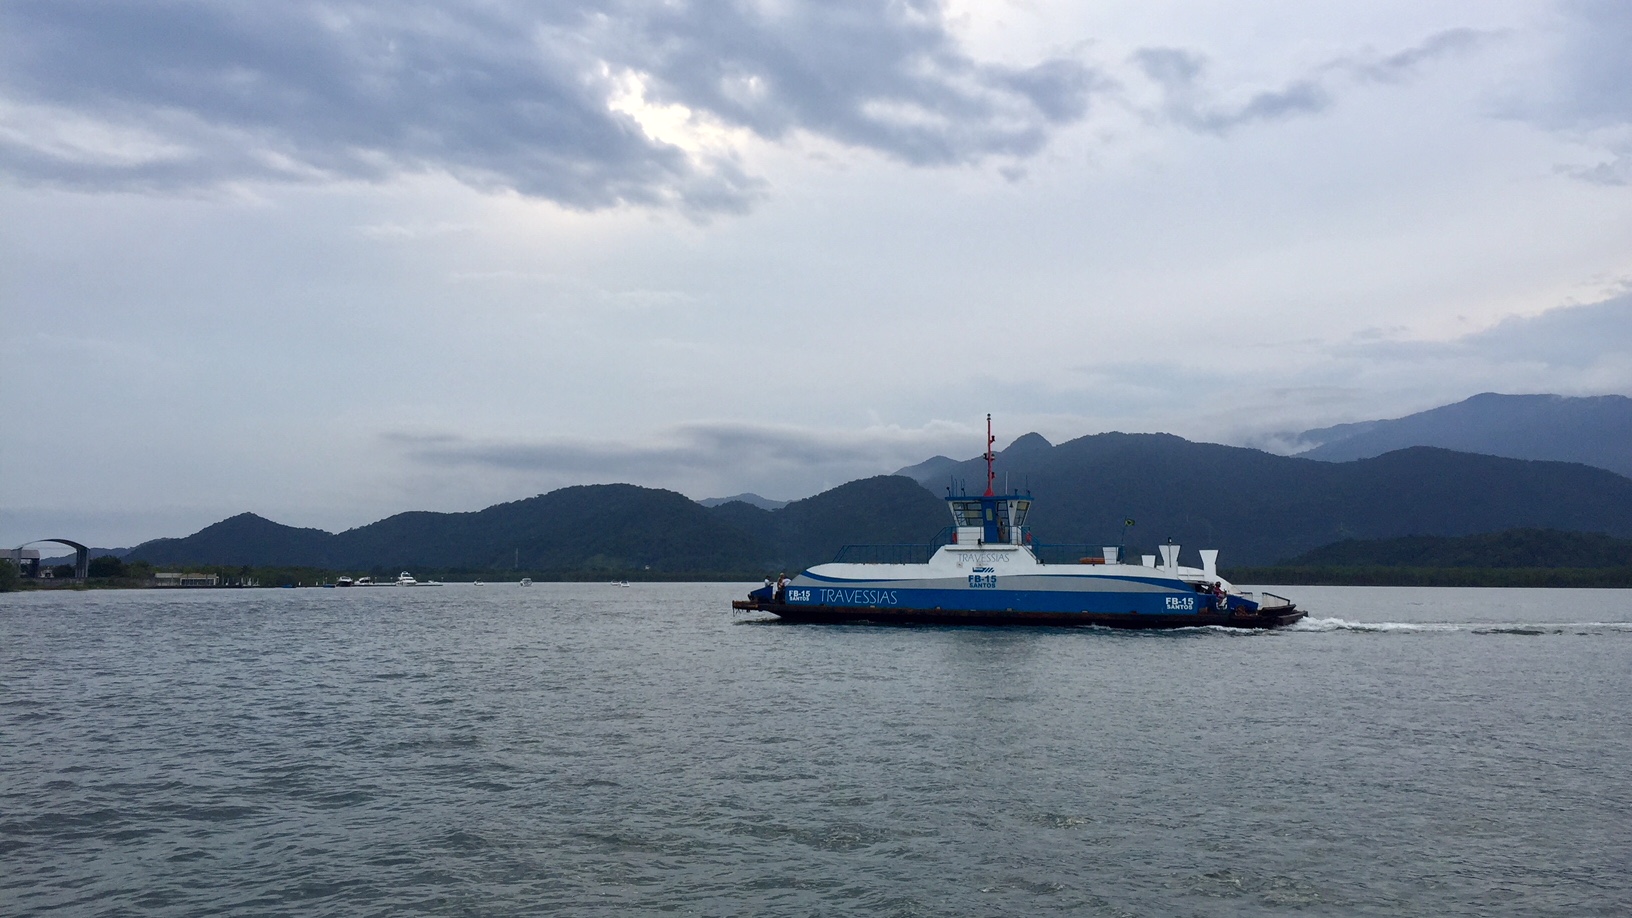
(526, 581)
(343, 582)
(406, 579)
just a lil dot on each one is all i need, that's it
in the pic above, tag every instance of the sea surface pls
(588, 749)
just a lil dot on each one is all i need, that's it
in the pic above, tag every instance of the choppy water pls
(593, 750)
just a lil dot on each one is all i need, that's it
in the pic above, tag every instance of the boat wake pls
(1520, 628)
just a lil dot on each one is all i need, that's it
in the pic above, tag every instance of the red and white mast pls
(991, 476)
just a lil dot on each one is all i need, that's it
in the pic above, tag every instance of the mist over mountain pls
(1594, 430)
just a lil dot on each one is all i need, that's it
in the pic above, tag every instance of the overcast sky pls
(327, 261)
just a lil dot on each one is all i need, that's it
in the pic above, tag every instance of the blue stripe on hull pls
(1098, 602)
(1276, 618)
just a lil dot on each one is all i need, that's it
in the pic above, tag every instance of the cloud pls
(185, 94)
(1616, 169)
(1575, 349)
(1580, 346)
(1575, 338)
(784, 460)
(1392, 68)
(1264, 393)
(416, 229)
(1595, 88)
(1583, 93)
(885, 76)
(1189, 101)
(1186, 102)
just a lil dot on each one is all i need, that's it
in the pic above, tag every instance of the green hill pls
(581, 531)
(885, 510)
(245, 539)
(592, 527)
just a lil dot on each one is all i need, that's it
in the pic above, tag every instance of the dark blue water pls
(594, 750)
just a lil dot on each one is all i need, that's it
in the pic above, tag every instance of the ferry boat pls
(991, 575)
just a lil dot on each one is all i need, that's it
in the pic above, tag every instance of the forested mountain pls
(1256, 507)
(1259, 508)
(887, 510)
(612, 528)
(244, 539)
(1594, 431)
(595, 527)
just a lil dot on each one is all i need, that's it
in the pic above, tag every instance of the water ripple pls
(581, 750)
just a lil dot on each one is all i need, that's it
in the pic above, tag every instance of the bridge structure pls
(82, 555)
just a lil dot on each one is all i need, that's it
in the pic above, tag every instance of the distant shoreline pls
(1598, 578)
(307, 578)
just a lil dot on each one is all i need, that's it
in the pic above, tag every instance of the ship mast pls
(991, 476)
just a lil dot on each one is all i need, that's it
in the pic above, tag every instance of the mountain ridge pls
(746, 497)
(1260, 507)
(1592, 430)
(615, 527)
(1257, 507)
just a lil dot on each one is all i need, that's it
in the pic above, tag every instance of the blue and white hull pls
(1007, 584)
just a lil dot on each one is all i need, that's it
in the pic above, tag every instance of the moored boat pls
(990, 575)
